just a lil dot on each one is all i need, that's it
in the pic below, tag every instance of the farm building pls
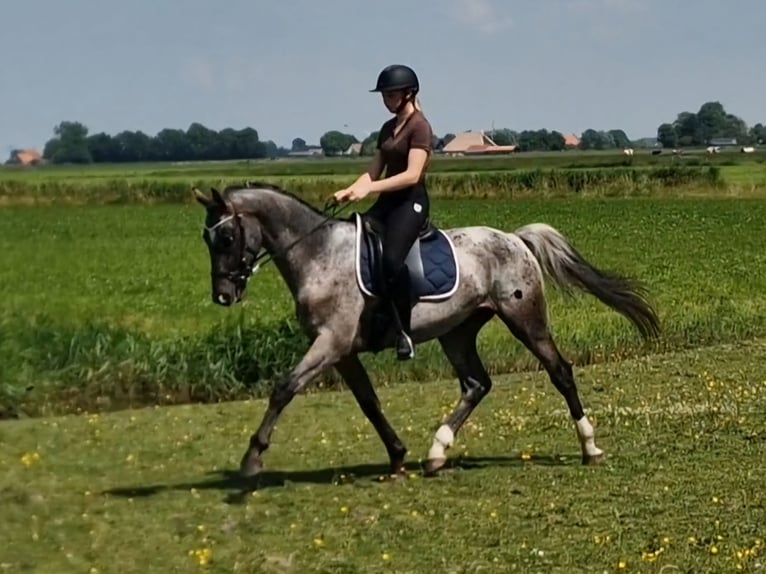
(354, 149)
(308, 152)
(571, 140)
(476, 143)
(719, 142)
(25, 157)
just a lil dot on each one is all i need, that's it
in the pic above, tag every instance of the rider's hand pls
(356, 192)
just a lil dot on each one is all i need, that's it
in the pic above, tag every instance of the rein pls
(246, 270)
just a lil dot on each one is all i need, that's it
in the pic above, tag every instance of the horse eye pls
(227, 239)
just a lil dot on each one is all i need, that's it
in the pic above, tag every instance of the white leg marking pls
(442, 440)
(585, 430)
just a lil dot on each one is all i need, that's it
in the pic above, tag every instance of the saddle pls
(431, 261)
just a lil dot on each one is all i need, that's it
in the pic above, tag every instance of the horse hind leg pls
(525, 317)
(460, 347)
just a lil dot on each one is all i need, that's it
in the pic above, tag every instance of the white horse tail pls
(568, 269)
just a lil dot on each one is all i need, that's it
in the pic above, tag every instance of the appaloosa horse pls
(462, 278)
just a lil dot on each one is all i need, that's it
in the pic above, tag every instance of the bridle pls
(248, 268)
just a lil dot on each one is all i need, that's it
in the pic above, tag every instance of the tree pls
(270, 148)
(133, 146)
(619, 138)
(247, 145)
(667, 136)
(102, 147)
(504, 136)
(299, 144)
(687, 129)
(69, 144)
(172, 145)
(758, 134)
(335, 142)
(202, 141)
(711, 121)
(541, 140)
(592, 139)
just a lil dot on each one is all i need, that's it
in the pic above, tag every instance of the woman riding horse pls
(402, 208)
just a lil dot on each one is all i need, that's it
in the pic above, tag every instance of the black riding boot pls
(399, 299)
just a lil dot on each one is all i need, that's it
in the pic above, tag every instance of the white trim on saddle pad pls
(358, 270)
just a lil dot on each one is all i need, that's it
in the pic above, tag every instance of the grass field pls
(110, 306)
(525, 174)
(350, 165)
(106, 305)
(153, 490)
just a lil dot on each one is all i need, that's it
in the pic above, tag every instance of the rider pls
(402, 208)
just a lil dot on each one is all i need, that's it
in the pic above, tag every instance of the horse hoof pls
(251, 465)
(433, 466)
(593, 459)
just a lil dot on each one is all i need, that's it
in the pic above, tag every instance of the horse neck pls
(289, 230)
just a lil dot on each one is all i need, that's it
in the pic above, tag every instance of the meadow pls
(110, 306)
(106, 306)
(155, 490)
(533, 174)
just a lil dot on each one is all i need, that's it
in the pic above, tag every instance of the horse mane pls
(271, 187)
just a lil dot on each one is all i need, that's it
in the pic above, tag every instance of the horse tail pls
(568, 269)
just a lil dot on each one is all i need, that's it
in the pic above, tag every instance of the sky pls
(298, 68)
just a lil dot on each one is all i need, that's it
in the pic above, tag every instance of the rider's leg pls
(402, 228)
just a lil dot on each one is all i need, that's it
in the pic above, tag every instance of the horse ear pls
(200, 197)
(217, 197)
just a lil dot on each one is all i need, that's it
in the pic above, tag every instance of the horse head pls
(234, 240)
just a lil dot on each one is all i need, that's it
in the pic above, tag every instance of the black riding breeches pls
(402, 223)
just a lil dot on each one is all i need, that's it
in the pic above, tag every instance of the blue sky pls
(297, 68)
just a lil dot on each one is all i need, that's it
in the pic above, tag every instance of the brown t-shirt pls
(416, 133)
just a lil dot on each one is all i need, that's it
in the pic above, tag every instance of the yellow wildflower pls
(28, 459)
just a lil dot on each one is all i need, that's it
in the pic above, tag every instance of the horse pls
(490, 273)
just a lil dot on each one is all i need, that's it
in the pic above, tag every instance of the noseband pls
(246, 269)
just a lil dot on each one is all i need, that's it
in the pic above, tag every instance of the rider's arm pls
(416, 161)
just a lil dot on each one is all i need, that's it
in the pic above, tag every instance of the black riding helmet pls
(397, 77)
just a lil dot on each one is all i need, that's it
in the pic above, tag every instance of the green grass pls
(607, 173)
(571, 159)
(151, 490)
(109, 306)
(611, 181)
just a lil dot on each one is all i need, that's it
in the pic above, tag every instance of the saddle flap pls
(431, 261)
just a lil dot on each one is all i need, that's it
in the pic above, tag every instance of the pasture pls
(152, 490)
(106, 305)
(532, 174)
(122, 314)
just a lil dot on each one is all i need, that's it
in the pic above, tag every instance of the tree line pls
(709, 123)
(72, 143)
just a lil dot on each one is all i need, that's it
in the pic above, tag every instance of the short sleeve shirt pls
(415, 134)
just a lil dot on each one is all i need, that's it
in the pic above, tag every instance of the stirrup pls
(405, 349)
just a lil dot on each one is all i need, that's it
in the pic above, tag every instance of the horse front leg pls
(357, 379)
(323, 353)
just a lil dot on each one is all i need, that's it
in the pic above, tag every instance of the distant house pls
(308, 152)
(722, 141)
(476, 143)
(571, 140)
(354, 149)
(647, 142)
(25, 157)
